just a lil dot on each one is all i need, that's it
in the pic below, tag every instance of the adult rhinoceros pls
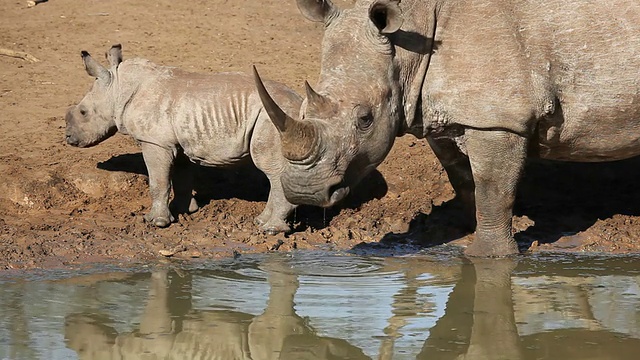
(488, 82)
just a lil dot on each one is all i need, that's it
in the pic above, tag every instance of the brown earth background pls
(63, 207)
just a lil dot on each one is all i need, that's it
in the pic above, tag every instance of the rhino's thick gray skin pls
(488, 82)
(213, 119)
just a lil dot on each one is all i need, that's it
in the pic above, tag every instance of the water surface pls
(322, 306)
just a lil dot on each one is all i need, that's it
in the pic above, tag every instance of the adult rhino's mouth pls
(337, 193)
(324, 196)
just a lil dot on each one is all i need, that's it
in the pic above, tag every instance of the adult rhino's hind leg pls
(274, 216)
(158, 161)
(497, 159)
(182, 182)
(458, 169)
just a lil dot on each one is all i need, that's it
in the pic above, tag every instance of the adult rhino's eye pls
(83, 111)
(365, 120)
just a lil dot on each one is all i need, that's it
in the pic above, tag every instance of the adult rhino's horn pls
(298, 138)
(277, 115)
(313, 98)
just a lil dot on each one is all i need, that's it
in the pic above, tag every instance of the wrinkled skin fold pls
(487, 82)
(177, 116)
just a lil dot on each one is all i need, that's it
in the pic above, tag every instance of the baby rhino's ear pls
(93, 67)
(114, 56)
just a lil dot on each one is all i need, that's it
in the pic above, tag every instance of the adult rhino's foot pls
(502, 248)
(159, 221)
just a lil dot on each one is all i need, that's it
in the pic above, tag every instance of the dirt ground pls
(62, 206)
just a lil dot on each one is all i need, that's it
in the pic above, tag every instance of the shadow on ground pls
(246, 182)
(567, 198)
(561, 198)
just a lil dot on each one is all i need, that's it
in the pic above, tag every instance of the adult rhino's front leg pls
(158, 161)
(497, 159)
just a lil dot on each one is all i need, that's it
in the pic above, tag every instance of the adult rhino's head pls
(346, 126)
(93, 119)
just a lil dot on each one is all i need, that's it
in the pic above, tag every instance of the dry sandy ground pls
(63, 206)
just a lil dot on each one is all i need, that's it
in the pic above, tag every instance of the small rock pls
(167, 253)
(33, 3)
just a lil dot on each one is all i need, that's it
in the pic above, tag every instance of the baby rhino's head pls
(92, 120)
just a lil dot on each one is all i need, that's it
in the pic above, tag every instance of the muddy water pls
(320, 306)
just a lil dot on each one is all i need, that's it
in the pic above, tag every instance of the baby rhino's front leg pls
(274, 216)
(158, 161)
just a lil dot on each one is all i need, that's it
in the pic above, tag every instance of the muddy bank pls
(61, 206)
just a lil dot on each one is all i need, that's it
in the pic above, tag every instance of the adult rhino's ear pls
(318, 10)
(93, 67)
(114, 55)
(386, 15)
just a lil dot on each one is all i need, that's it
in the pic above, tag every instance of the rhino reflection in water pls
(212, 119)
(487, 82)
(490, 314)
(278, 333)
(481, 317)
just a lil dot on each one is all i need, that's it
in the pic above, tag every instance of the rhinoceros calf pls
(212, 119)
(488, 82)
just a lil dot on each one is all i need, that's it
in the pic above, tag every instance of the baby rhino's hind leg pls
(264, 215)
(182, 181)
